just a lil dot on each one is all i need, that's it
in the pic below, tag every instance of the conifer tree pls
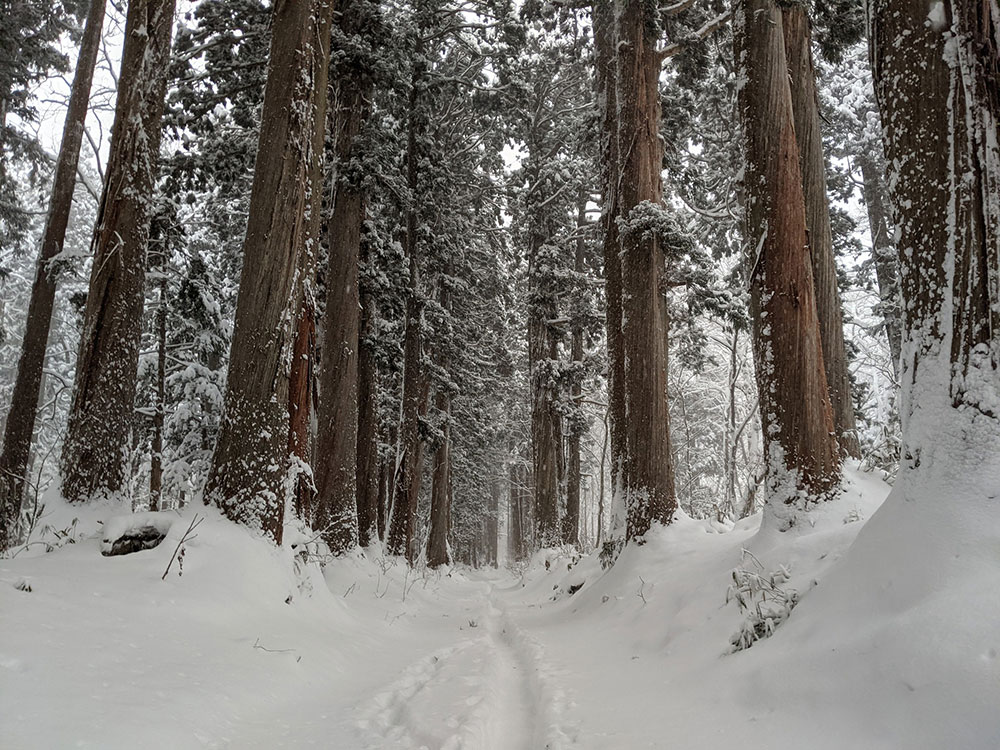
(101, 417)
(20, 424)
(252, 472)
(800, 446)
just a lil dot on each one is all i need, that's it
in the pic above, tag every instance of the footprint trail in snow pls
(488, 692)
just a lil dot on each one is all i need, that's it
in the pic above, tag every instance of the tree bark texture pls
(409, 458)
(371, 520)
(648, 472)
(440, 520)
(337, 444)
(571, 521)
(101, 416)
(20, 424)
(546, 427)
(607, 97)
(940, 104)
(252, 475)
(437, 539)
(797, 419)
(301, 403)
(805, 110)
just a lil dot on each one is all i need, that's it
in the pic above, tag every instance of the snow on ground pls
(244, 648)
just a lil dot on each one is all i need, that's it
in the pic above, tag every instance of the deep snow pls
(243, 647)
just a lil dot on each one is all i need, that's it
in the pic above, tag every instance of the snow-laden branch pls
(705, 31)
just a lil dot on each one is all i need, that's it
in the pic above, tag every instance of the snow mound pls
(134, 532)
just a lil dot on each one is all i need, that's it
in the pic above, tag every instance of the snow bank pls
(875, 654)
(127, 533)
(893, 641)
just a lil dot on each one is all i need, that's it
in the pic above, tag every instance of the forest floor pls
(244, 648)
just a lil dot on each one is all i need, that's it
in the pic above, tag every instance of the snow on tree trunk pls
(409, 450)
(20, 424)
(253, 475)
(607, 97)
(546, 432)
(301, 401)
(571, 520)
(156, 452)
(937, 85)
(800, 445)
(100, 420)
(337, 442)
(647, 465)
(808, 136)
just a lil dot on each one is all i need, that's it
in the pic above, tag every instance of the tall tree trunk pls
(884, 253)
(409, 461)
(797, 420)
(337, 447)
(20, 425)
(493, 523)
(545, 418)
(437, 538)
(648, 472)
(101, 416)
(385, 471)
(571, 521)
(252, 471)
(371, 519)
(515, 533)
(940, 109)
(808, 136)
(156, 457)
(607, 97)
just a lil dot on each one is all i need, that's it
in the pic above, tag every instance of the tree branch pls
(709, 28)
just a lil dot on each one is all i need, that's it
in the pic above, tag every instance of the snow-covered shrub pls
(761, 599)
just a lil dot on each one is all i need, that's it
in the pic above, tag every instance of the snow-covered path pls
(250, 651)
(488, 688)
(486, 691)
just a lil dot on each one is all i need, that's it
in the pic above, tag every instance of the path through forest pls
(247, 648)
(488, 690)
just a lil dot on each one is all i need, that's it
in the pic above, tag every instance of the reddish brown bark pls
(797, 419)
(648, 472)
(251, 467)
(808, 136)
